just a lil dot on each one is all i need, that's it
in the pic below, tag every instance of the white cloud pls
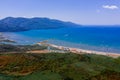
(112, 7)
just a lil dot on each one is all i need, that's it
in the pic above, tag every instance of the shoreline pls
(85, 51)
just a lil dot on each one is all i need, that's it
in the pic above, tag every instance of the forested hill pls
(11, 24)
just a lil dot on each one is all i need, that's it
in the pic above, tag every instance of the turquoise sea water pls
(105, 39)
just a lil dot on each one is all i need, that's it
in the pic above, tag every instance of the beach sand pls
(83, 51)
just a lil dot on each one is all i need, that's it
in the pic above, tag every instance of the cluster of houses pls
(54, 48)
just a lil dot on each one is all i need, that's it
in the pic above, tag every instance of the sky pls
(85, 12)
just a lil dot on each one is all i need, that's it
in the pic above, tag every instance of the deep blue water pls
(95, 38)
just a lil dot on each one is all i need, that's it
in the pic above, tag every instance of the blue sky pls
(87, 12)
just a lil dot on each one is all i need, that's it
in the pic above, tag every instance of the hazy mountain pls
(21, 24)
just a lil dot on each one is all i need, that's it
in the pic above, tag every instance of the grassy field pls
(56, 66)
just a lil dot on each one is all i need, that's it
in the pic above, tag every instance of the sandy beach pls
(81, 51)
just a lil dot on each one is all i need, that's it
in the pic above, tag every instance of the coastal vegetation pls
(56, 66)
(20, 48)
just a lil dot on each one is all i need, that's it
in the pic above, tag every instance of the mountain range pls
(11, 24)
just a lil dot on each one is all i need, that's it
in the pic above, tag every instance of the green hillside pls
(56, 66)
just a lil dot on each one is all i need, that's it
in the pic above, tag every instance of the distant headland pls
(11, 24)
